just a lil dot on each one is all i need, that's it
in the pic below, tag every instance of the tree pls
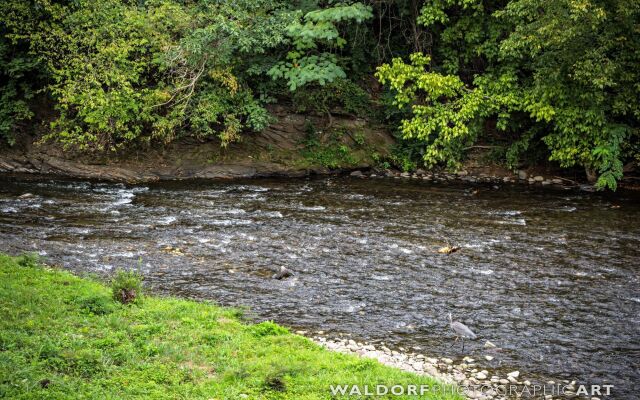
(568, 67)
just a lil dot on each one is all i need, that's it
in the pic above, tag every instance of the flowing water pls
(551, 276)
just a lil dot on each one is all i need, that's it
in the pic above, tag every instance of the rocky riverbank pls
(520, 176)
(472, 379)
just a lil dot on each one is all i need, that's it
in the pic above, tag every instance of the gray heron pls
(462, 331)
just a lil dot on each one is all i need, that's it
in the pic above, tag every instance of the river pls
(549, 275)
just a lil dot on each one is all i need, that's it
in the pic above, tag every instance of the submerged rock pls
(448, 249)
(282, 274)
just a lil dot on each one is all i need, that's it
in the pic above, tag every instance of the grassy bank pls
(65, 337)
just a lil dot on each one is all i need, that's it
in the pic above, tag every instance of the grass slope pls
(63, 337)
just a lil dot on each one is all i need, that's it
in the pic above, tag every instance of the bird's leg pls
(454, 342)
(463, 345)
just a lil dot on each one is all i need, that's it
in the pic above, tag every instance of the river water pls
(551, 276)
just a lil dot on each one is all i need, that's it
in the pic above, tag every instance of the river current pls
(550, 276)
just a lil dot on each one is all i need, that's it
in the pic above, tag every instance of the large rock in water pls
(282, 274)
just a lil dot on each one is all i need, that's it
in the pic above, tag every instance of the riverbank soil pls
(293, 145)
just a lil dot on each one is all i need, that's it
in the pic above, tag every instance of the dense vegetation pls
(63, 337)
(556, 79)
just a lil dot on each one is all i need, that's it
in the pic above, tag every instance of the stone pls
(462, 173)
(420, 171)
(513, 374)
(481, 376)
(474, 394)
(447, 361)
(357, 174)
(430, 370)
(557, 181)
(522, 174)
(417, 365)
(538, 178)
(488, 358)
(405, 175)
(489, 345)
(546, 182)
(504, 382)
(282, 274)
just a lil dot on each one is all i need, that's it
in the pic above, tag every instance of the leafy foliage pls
(330, 153)
(126, 286)
(314, 40)
(121, 73)
(340, 95)
(559, 75)
(563, 67)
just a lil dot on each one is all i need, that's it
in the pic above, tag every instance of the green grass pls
(68, 334)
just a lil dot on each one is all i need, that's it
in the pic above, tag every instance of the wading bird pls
(462, 331)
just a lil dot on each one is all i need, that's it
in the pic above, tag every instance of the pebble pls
(489, 345)
(442, 369)
(357, 174)
(522, 174)
(513, 374)
(538, 178)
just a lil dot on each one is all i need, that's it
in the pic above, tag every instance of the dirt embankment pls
(277, 151)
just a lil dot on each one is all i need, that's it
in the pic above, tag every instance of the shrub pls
(98, 305)
(29, 260)
(268, 328)
(126, 286)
